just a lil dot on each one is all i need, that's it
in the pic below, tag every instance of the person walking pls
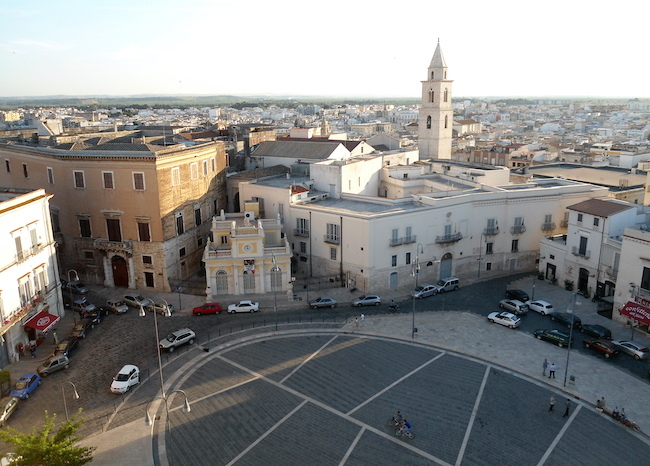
(551, 372)
(544, 366)
(568, 406)
(356, 321)
(550, 409)
(363, 319)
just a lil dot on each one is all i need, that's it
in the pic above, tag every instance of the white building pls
(30, 296)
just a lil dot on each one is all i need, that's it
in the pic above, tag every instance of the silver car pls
(422, 291)
(52, 364)
(367, 300)
(161, 308)
(117, 306)
(136, 300)
(633, 349)
(323, 301)
(177, 338)
(514, 306)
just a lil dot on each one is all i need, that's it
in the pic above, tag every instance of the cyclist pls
(406, 427)
(398, 418)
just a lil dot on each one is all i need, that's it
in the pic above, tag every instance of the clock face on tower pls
(248, 247)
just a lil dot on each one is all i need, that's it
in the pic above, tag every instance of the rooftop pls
(599, 207)
(602, 176)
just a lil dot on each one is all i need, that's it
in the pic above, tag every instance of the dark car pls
(77, 287)
(519, 295)
(554, 336)
(597, 331)
(605, 347)
(82, 328)
(566, 319)
(66, 347)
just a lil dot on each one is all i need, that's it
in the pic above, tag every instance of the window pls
(224, 240)
(333, 232)
(447, 230)
(432, 94)
(56, 226)
(215, 206)
(180, 226)
(113, 228)
(596, 221)
(181, 252)
(89, 255)
(148, 279)
(446, 97)
(645, 279)
(281, 212)
(488, 266)
(205, 168)
(7, 165)
(582, 250)
(25, 291)
(194, 170)
(579, 217)
(519, 221)
(276, 278)
(408, 258)
(33, 235)
(108, 180)
(138, 181)
(19, 249)
(84, 228)
(222, 281)
(147, 260)
(515, 245)
(393, 261)
(446, 120)
(197, 216)
(548, 218)
(79, 179)
(208, 214)
(249, 282)
(144, 232)
(176, 176)
(199, 242)
(303, 247)
(429, 122)
(50, 175)
(333, 254)
(25, 172)
(488, 248)
(213, 164)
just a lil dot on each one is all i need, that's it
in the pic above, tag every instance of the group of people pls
(551, 369)
(402, 423)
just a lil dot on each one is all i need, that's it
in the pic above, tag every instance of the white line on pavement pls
(559, 436)
(313, 355)
(351, 449)
(461, 453)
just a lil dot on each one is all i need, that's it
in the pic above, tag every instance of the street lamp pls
(148, 421)
(536, 273)
(69, 280)
(571, 310)
(416, 272)
(74, 396)
(634, 295)
(274, 270)
(480, 249)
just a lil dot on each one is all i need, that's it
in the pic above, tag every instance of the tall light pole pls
(274, 270)
(148, 421)
(536, 272)
(416, 272)
(74, 396)
(634, 292)
(70, 288)
(574, 301)
(480, 249)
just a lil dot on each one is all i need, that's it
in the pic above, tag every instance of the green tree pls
(46, 448)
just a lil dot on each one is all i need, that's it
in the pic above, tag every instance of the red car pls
(602, 346)
(207, 308)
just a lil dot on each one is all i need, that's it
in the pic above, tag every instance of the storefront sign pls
(636, 312)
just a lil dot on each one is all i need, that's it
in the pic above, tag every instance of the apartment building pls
(126, 212)
(30, 296)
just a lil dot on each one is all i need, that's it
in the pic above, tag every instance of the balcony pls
(103, 244)
(564, 223)
(302, 232)
(396, 241)
(611, 272)
(548, 226)
(518, 229)
(449, 238)
(575, 250)
(332, 239)
(491, 231)
(410, 239)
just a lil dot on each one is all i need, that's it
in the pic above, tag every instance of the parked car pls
(519, 295)
(323, 301)
(514, 306)
(136, 300)
(26, 385)
(597, 331)
(207, 308)
(447, 284)
(161, 308)
(79, 304)
(77, 287)
(422, 291)
(66, 347)
(554, 336)
(602, 346)
(126, 378)
(53, 364)
(504, 318)
(367, 300)
(117, 306)
(93, 313)
(633, 349)
(244, 306)
(82, 328)
(543, 307)
(566, 319)
(177, 338)
(7, 408)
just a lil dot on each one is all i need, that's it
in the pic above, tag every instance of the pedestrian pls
(568, 406)
(600, 404)
(544, 366)
(55, 339)
(550, 409)
(551, 372)
(363, 319)
(356, 321)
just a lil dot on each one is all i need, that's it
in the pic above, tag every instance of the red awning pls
(42, 321)
(636, 312)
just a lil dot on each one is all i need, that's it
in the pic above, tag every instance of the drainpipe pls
(310, 235)
(341, 263)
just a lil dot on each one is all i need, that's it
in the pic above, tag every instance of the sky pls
(348, 48)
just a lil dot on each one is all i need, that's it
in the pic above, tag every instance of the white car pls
(136, 300)
(126, 378)
(117, 306)
(244, 306)
(543, 307)
(504, 318)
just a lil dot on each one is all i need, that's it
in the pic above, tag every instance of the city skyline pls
(346, 50)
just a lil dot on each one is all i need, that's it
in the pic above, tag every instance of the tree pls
(43, 448)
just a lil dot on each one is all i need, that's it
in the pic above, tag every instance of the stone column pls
(132, 282)
(108, 272)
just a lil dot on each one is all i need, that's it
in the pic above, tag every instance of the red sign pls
(636, 312)
(42, 321)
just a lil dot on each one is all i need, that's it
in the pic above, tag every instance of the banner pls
(636, 312)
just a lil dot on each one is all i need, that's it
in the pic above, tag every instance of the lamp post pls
(480, 249)
(416, 272)
(70, 288)
(634, 292)
(572, 310)
(274, 270)
(536, 272)
(148, 421)
(74, 396)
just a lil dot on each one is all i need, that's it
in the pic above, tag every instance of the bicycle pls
(409, 435)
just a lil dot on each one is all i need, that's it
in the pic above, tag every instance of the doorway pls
(393, 281)
(120, 272)
(583, 282)
(445, 266)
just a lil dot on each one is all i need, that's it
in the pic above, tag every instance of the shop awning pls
(42, 321)
(636, 312)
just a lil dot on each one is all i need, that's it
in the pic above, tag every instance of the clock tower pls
(436, 113)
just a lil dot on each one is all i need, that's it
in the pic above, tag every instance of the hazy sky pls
(333, 47)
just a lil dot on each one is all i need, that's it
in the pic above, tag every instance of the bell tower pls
(436, 113)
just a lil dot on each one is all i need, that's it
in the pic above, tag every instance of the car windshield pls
(139, 298)
(21, 385)
(79, 284)
(122, 377)
(440, 283)
(47, 363)
(171, 338)
(363, 297)
(62, 346)
(118, 303)
(419, 288)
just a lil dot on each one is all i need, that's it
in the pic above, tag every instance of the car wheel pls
(543, 313)
(198, 313)
(231, 312)
(512, 326)
(560, 345)
(26, 395)
(66, 366)
(39, 382)
(501, 306)
(491, 320)
(568, 326)
(607, 355)
(553, 318)
(456, 288)
(127, 388)
(251, 311)
(44, 374)
(636, 356)
(191, 341)
(586, 345)
(332, 306)
(171, 349)
(539, 337)
(376, 304)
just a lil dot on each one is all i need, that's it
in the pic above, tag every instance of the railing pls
(301, 232)
(612, 272)
(548, 226)
(106, 245)
(449, 238)
(332, 239)
(219, 253)
(575, 250)
(396, 241)
(564, 223)
(410, 239)
(245, 231)
(517, 229)
(491, 231)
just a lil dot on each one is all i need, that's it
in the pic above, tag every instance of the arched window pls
(432, 75)
(276, 279)
(446, 93)
(222, 282)
(446, 121)
(431, 95)
(445, 75)
(429, 122)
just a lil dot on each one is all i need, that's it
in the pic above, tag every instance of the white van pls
(447, 284)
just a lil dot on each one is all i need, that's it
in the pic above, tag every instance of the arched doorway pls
(120, 271)
(583, 281)
(445, 266)
(393, 281)
(221, 281)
